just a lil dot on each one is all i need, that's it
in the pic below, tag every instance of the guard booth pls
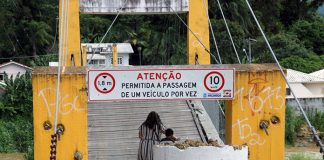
(96, 129)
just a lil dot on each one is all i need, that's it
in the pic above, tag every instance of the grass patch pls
(301, 157)
(12, 156)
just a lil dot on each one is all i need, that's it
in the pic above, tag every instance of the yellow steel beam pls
(198, 23)
(73, 98)
(115, 55)
(84, 55)
(70, 54)
(72, 112)
(259, 96)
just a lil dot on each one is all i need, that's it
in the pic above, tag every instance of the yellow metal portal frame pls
(259, 96)
(115, 55)
(198, 24)
(72, 112)
(70, 53)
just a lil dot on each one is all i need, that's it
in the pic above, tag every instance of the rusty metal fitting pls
(47, 125)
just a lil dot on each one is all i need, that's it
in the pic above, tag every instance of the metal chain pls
(53, 147)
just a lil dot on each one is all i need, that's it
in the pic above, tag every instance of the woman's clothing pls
(150, 137)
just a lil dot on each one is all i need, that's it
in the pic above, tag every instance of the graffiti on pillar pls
(245, 132)
(67, 103)
(259, 97)
(198, 38)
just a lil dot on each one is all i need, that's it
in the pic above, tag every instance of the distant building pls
(12, 68)
(319, 73)
(308, 88)
(101, 54)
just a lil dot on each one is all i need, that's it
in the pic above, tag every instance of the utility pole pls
(250, 48)
(140, 55)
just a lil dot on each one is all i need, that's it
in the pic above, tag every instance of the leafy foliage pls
(317, 120)
(16, 127)
(17, 100)
(307, 65)
(292, 125)
(225, 47)
(28, 27)
(16, 135)
(311, 33)
(44, 60)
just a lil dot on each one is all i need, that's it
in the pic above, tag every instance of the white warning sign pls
(161, 84)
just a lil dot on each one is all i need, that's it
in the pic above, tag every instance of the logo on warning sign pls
(104, 83)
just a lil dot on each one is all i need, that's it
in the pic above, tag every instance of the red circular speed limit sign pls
(214, 81)
(104, 83)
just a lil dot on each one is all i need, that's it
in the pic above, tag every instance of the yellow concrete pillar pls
(259, 96)
(70, 53)
(198, 23)
(72, 112)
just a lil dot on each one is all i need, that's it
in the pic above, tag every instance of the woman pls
(150, 134)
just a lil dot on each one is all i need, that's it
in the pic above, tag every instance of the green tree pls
(29, 27)
(311, 33)
(268, 13)
(17, 99)
(225, 46)
(297, 10)
(307, 65)
(283, 44)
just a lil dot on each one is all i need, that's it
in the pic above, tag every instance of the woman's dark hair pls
(153, 119)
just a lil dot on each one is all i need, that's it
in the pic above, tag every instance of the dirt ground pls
(312, 151)
(12, 156)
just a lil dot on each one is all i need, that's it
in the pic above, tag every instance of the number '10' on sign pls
(214, 80)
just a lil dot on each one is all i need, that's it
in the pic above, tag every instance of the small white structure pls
(53, 64)
(100, 54)
(200, 153)
(12, 69)
(309, 89)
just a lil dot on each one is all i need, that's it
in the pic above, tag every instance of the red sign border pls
(113, 80)
(221, 87)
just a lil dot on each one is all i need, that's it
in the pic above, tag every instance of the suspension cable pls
(288, 84)
(228, 31)
(55, 36)
(219, 105)
(59, 67)
(66, 54)
(109, 28)
(184, 23)
(220, 60)
(212, 31)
